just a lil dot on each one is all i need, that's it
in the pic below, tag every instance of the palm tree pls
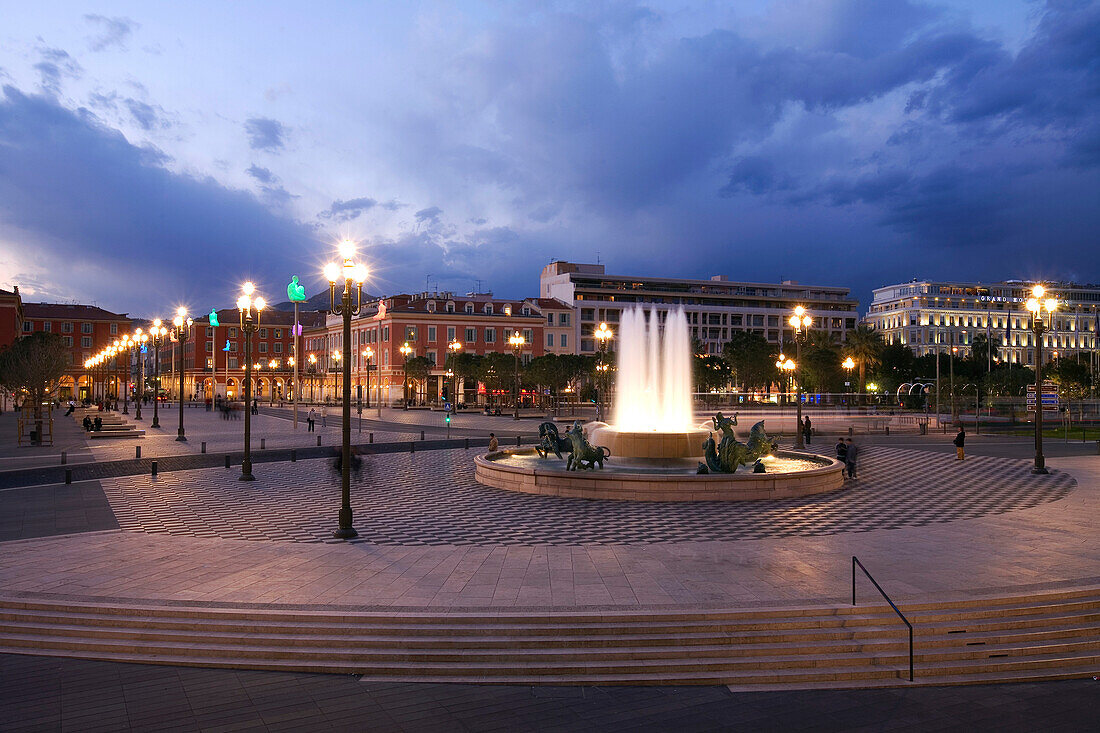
(864, 345)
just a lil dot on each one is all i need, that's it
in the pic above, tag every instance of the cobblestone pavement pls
(46, 694)
(433, 499)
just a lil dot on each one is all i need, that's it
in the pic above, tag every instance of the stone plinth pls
(656, 487)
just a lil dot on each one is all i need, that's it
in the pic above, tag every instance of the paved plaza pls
(927, 525)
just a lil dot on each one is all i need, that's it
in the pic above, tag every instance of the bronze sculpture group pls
(582, 454)
(724, 456)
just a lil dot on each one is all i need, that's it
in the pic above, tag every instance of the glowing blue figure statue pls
(294, 291)
(214, 318)
(226, 346)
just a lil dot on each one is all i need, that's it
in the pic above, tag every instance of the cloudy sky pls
(160, 153)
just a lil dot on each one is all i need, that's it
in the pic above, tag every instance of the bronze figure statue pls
(727, 456)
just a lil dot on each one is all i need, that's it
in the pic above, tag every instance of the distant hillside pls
(318, 302)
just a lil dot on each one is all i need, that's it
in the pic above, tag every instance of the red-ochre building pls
(86, 329)
(428, 322)
(209, 369)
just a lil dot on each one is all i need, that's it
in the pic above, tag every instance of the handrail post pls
(855, 561)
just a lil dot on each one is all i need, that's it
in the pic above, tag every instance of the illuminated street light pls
(517, 342)
(181, 331)
(1037, 305)
(350, 275)
(801, 322)
(250, 309)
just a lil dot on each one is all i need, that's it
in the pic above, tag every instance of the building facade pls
(715, 308)
(85, 329)
(214, 357)
(931, 316)
(11, 316)
(428, 322)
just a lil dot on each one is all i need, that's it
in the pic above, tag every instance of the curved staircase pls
(1043, 635)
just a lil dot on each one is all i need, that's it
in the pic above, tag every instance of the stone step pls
(878, 638)
(111, 434)
(883, 651)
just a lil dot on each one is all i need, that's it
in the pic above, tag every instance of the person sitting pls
(87, 423)
(97, 424)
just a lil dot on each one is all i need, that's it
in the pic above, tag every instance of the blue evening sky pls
(160, 153)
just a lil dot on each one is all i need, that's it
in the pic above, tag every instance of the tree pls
(497, 372)
(896, 366)
(820, 370)
(982, 352)
(1009, 380)
(864, 346)
(418, 368)
(751, 359)
(33, 366)
(467, 367)
(549, 371)
(710, 373)
(1071, 376)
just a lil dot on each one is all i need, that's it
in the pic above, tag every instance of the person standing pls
(842, 453)
(807, 430)
(960, 439)
(310, 420)
(323, 423)
(851, 454)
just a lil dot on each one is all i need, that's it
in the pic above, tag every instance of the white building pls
(716, 308)
(931, 315)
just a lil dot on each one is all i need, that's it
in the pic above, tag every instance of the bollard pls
(887, 429)
(318, 440)
(154, 469)
(467, 442)
(68, 475)
(64, 458)
(137, 451)
(849, 431)
(370, 437)
(263, 443)
(422, 435)
(293, 455)
(412, 446)
(227, 461)
(204, 446)
(1098, 447)
(517, 440)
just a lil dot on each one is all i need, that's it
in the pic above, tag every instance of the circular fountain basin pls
(789, 474)
(650, 444)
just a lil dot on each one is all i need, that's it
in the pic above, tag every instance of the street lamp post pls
(247, 305)
(158, 333)
(125, 344)
(603, 334)
(1037, 305)
(368, 354)
(799, 320)
(273, 364)
(849, 364)
(454, 347)
(951, 382)
(140, 339)
(336, 371)
(405, 351)
(312, 374)
(352, 274)
(182, 331)
(517, 342)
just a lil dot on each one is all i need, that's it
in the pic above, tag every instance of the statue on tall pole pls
(297, 294)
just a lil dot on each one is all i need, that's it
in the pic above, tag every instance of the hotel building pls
(715, 308)
(932, 315)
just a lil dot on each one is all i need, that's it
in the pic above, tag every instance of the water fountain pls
(653, 448)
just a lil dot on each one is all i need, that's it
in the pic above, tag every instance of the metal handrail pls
(855, 561)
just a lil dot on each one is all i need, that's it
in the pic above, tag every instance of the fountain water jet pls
(653, 415)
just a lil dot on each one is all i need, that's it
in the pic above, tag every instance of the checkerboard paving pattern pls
(433, 499)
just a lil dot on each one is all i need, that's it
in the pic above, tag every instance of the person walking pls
(494, 445)
(310, 420)
(323, 424)
(960, 439)
(807, 430)
(842, 453)
(850, 456)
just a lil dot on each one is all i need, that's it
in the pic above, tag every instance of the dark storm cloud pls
(112, 32)
(429, 216)
(348, 210)
(111, 212)
(265, 134)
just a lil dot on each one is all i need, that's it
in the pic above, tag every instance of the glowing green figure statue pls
(294, 291)
(214, 318)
